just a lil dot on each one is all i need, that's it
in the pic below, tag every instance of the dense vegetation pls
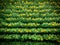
(32, 20)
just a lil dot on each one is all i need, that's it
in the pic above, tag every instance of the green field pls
(30, 22)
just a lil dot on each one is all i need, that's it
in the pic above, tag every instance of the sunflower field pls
(29, 22)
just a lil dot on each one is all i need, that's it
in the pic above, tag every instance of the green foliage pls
(31, 30)
(36, 18)
(31, 37)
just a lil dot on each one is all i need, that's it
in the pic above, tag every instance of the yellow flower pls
(42, 10)
(35, 10)
(41, 19)
(49, 37)
(21, 8)
(9, 24)
(46, 2)
(2, 10)
(55, 29)
(26, 31)
(6, 30)
(14, 30)
(17, 6)
(58, 40)
(33, 18)
(27, 2)
(8, 18)
(34, 6)
(29, 30)
(29, 10)
(25, 24)
(15, 2)
(55, 11)
(23, 14)
(19, 15)
(6, 24)
(29, 18)
(43, 30)
(53, 23)
(10, 3)
(19, 30)
(40, 3)
(44, 14)
(37, 24)
(58, 6)
(31, 7)
(36, 31)
(51, 18)
(30, 14)
(47, 10)
(27, 15)
(9, 14)
(41, 6)
(58, 24)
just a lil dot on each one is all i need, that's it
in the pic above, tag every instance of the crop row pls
(8, 11)
(31, 19)
(35, 15)
(20, 24)
(35, 2)
(33, 5)
(27, 43)
(28, 7)
(31, 37)
(32, 30)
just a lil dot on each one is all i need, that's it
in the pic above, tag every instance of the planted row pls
(33, 5)
(32, 15)
(27, 43)
(8, 11)
(23, 37)
(32, 19)
(31, 30)
(20, 24)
